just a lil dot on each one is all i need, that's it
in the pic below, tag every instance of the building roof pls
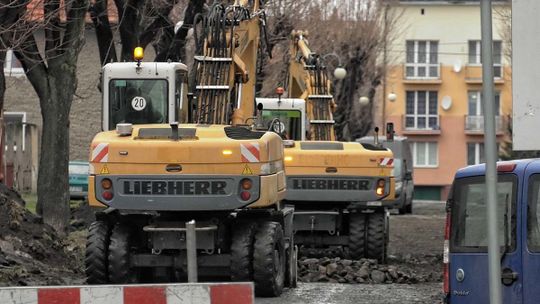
(34, 11)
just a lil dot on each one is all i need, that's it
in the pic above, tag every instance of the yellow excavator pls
(340, 190)
(155, 176)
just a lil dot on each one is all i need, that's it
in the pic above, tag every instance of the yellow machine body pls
(208, 152)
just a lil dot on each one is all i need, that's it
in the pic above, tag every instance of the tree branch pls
(33, 65)
(52, 28)
(176, 51)
(100, 18)
(129, 27)
(73, 39)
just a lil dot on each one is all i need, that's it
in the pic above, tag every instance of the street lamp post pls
(340, 73)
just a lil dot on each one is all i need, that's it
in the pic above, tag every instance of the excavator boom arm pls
(308, 79)
(226, 66)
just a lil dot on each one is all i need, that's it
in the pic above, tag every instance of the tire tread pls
(97, 251)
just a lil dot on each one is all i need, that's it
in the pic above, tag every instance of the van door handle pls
(508, 276)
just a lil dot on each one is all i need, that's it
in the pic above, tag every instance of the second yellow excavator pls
(341, 190)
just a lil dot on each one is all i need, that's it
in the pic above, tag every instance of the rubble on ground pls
(31, 253)
(339, 270)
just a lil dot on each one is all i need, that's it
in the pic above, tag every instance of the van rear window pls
(533, 214)
(468, 213)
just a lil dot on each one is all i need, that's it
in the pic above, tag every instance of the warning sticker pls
(104, 170)
(100, 153)
(247, 170)
(138, 103)
(251, 152)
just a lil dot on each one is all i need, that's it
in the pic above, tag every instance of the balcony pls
(474, 125)
(473, 74)
(421, 125)
(422, 73)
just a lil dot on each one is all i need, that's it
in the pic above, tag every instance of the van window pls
(533, 214)
(469, 213)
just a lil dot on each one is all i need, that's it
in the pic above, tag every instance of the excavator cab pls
(285, 116)
(144, 93)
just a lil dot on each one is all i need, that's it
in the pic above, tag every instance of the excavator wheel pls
(357, 235)
(269, 260)
(242, 252)
(376, 236)
(97, 253)
(120, 271)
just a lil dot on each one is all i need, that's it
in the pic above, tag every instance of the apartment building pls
(432, 91)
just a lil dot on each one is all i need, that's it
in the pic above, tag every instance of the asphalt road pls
(325, 293)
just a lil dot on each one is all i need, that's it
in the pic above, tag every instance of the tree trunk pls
(2, 80)
(53, 178)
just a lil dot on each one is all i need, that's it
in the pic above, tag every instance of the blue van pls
(465, 246)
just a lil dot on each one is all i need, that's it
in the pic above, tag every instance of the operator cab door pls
(531, 236)
(468, 272)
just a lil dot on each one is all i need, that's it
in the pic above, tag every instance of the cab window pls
(469, 220)
(286, 122)
(137, 101)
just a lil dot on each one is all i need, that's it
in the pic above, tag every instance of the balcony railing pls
(475, 124)
(422, 71)
(473, 73)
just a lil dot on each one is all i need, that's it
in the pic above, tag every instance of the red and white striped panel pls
(100, 153)
(219, 293)
(386, 161)
(251, 153)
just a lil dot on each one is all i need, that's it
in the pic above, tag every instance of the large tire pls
(376, 236)
(242, 252)
(269, 260)
(120, 271)
(97, 253)
(357, 235)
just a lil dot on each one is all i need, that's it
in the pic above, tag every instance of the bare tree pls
(357, 32)
(143, 23)
(52, 74)
(503, 14)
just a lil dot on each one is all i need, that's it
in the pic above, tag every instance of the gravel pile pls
(337, 270)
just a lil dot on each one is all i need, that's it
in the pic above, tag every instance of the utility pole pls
(490, 143)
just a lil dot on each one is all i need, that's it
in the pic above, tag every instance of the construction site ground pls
(416, 245)
(31, 254)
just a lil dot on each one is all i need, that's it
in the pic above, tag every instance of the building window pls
(421, 110)
(475, 55)
(476, 154)
(425, 154)
(12, 66)
(12, 121)
(475, 118)
(422, 59)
